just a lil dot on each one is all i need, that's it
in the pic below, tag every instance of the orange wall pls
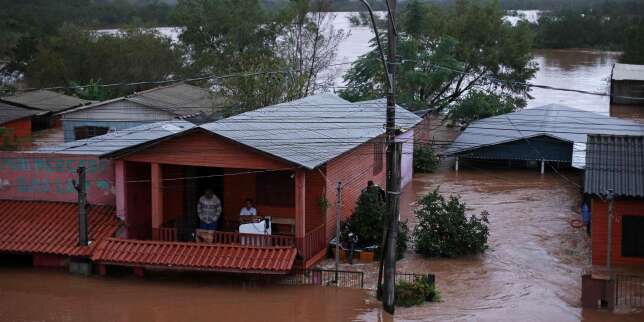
(599, 228)
(205, 149)
(172, 192)
(21, 129)
(354, 169)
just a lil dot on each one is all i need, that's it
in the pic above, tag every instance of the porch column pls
(120, 178)
(300, 205)
(157, 197)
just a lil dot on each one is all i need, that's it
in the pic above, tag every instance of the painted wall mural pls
(35, 176)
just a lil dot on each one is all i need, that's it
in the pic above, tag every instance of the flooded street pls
(530, 273)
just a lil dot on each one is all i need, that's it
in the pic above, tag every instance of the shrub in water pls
(416, 293)
(425, 159)
(367, 222)
(444, 230)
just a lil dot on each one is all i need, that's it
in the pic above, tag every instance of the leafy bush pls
(416, 293)
(425, 159)
(444, 230)
(367, 222)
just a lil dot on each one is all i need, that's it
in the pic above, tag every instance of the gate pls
(629, 291)
(325, 277)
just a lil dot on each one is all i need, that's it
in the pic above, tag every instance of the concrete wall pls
(599, 226)
(407, 158)
(37, 176)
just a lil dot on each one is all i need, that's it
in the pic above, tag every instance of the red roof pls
(195, 256)
(51, 227)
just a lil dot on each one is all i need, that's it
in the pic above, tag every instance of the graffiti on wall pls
(27, 176)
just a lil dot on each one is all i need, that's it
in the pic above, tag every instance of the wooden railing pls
(164, 234)
(224, 237)
(313, 242)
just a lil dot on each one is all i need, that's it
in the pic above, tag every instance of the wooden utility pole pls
(338, 215)
(393, 167)
(609, 251)
(81, 189)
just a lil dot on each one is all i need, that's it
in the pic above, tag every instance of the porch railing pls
(313, 242)
(225, 237)
(164, 234)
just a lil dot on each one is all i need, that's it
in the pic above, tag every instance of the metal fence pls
(629, 291)
(413, 277)
(323, 277)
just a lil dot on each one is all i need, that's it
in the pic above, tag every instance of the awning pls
(51, 227)
(195, 256)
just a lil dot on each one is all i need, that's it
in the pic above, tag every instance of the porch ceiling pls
(195, 256)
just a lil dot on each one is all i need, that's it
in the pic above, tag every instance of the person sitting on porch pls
(248, 213)
(208, 209)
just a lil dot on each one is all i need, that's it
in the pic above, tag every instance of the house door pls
(198, 179)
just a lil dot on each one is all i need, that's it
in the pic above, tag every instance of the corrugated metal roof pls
(46, 100)
(312, 130)
(121, 139)
(179, 99)
(557, 121)
(628, 72)
(51, 227)
(195, 256)
(10, 113)
(617, 163)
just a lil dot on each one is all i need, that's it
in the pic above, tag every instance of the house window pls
(632, 237)
(275, 189)
(85, 132)
(378, 146)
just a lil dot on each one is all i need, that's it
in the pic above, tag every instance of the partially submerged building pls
(178, 100)
(615, 164)
(553, 134)
(627, 91)
(49, 105)
(15, 125)
(289, 158)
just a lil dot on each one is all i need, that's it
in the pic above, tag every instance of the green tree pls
(444, 230)
(79, 56)
(448, 51)
(476, 105)
(634, 45)
(368, 219)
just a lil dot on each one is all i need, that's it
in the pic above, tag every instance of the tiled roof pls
(10, 113)
(617, 163)
(195, 256)
(46, 100)
(51, 227)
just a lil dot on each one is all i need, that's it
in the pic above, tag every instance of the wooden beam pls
(157, 196)
(120, 178)
(300, 203)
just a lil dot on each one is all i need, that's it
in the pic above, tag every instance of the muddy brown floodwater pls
(530, 273)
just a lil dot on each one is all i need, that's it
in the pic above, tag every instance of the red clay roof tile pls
(51, 227)
(195, 256)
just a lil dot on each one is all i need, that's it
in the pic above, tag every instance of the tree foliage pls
(444, 230)
(476, 105)
(368, 219)
(634, 45)
(425, 159)
(79, 56)
(448, 51)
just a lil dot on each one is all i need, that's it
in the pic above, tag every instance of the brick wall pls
(599, 227)
(354, 169)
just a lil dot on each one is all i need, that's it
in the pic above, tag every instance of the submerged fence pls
(348, 279)
(629, 291)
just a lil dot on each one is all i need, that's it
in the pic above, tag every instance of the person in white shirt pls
(248, 209)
